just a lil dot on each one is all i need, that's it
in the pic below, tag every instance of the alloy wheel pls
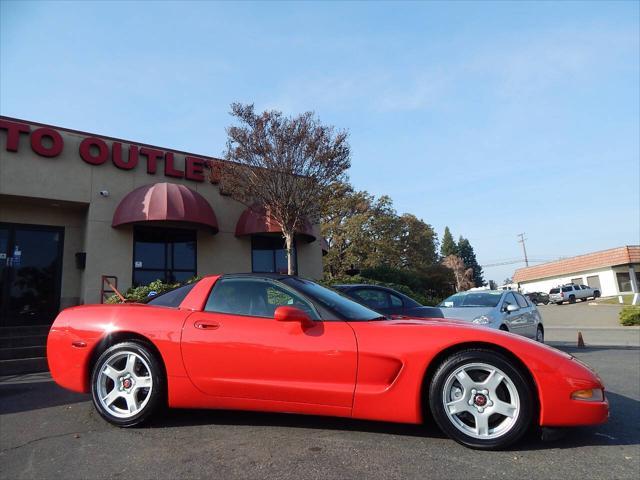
(481, 401)
(124, 384)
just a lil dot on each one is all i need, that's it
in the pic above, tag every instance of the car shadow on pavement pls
(622, 428)
(22, 397)
(180, 417)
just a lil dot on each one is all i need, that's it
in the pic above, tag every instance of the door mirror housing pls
(512, 308)
(292, 314)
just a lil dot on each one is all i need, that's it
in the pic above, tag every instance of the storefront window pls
(163, 254)
(624, 281)
(269, 254)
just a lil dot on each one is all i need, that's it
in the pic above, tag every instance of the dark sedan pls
(388, 301)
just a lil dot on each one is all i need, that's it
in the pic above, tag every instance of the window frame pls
(165, 231)
(273, 252)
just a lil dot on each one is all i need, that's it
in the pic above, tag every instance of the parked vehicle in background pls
(388, 301)
(571, 292)
(500, 309)
(537, 297)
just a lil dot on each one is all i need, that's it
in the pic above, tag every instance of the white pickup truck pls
(572, 292)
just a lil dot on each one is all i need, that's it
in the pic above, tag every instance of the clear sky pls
(491, 118)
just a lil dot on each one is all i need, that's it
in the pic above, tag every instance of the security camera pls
(104, 193)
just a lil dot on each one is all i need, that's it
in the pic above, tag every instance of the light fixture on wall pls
(81, 260)
(104, 193)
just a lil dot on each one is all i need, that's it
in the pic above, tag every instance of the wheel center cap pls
(126, 383)
(480, 400)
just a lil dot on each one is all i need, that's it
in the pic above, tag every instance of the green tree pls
(468, 256)
(417, 242)
(448, 246)
(345, 223)
(364, 233)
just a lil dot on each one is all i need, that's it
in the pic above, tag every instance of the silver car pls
(501, 309)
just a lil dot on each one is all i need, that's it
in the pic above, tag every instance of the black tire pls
(523, 416)
(546, 302)
(596, 294)
(572, 299)
(150, 371)
(504, 328)
(540, 334)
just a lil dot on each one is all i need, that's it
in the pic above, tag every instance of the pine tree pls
(448, 246)
(465, 251)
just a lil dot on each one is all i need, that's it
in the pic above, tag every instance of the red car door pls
(235, 348)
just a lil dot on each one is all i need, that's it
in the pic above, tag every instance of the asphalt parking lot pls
(599, 325)
(47, 432)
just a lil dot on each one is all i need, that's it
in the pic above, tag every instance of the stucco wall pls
(608, 283)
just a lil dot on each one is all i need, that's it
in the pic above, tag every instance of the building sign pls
(47, 142)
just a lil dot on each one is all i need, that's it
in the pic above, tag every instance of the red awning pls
(255, 220)
(161, 202)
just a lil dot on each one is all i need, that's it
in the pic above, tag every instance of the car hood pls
(427, 321)
(466, 313)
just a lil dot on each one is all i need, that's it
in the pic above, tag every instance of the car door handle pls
(207, 325)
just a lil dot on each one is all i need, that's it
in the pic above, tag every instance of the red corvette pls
(285, 344)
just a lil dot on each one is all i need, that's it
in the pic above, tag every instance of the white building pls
(613, 272)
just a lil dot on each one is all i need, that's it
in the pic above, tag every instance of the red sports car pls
(285, 344)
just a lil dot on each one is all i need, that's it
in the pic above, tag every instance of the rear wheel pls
(596, 294)
(481, 400)
(127, 384)
(572, 299)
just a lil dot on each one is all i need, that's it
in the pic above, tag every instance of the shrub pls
(630, 316)
(141, 293)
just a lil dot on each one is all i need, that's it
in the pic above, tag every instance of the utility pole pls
(524, 249)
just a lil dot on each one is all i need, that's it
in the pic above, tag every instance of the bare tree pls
(463, 275)
(284, 165)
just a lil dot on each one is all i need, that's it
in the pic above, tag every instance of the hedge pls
(630, 316)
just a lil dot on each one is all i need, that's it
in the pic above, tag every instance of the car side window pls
(521, 301)
(253, 297)
(509, 299)
(396, 301)
(576, 287)
(373, 298)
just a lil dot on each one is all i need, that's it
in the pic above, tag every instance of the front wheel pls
(479, 399)
(127, 384)
(540, 335)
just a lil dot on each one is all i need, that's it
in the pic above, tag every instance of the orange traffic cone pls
(580, 340)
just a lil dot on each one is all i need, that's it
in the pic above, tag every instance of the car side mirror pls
(512, 308)
(292, 314)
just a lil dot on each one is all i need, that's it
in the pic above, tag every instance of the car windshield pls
(346, 308)
(472, 299)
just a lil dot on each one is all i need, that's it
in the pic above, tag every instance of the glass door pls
(30, 274)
